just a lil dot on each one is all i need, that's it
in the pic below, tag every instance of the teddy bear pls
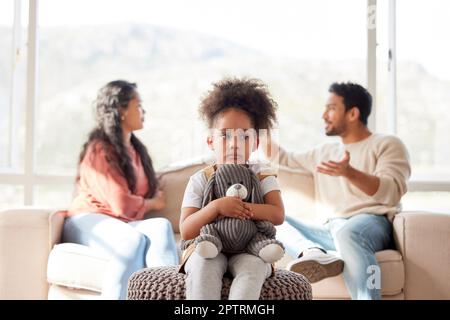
(235, 235)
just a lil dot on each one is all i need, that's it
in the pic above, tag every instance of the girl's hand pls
(233, 207)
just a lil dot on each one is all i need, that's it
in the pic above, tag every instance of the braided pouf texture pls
(165, 283)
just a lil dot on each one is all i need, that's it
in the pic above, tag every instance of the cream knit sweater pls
(384, 156)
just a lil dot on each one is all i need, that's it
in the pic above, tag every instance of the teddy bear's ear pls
(256, 194)
(208, 194)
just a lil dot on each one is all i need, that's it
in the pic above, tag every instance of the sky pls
(306, 29)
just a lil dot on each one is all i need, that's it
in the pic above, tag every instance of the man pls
(359, 182)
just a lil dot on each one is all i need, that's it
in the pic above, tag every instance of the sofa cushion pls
(64, 293)
(297, 191)
(392, 279)
(76, 266)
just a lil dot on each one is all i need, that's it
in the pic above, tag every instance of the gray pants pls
(204, 276)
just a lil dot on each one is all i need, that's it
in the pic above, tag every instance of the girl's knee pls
(250, 265)
(253, 276)
(202, 266)
(217, 263)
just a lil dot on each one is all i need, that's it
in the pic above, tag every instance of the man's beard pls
(336, 131)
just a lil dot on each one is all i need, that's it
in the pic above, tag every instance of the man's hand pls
(367, 183)
(336, 169)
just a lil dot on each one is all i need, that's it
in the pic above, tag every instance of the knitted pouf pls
(165, 283)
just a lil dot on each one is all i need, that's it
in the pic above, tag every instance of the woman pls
(116, 186)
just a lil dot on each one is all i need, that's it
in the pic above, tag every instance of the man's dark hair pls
(249, 95)
(354, 95)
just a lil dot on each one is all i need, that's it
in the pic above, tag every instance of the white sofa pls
(34, 265)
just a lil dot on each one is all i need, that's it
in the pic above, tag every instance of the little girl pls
(234, 110)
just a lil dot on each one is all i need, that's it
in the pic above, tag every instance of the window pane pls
(6, 40)
(12, 86)
(427, 201)
(53, 195)
(382, 100)
(297, 47)
(11, 196)
(423, 84)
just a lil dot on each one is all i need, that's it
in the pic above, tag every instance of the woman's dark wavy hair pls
(113, 97)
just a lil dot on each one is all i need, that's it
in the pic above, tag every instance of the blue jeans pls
(130, 246)
(356, 239)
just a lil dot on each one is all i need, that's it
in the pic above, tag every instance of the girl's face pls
(232, 137)
(132, 118)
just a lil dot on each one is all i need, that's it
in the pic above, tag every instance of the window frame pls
(29, 179)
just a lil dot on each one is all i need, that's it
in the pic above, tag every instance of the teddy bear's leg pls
(208, 243)
(272, 252)
(266, 227)
(268, 249)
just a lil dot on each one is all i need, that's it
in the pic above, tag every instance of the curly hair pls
(249, 95)
(111, 98)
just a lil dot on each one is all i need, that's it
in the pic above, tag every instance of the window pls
(175, 49)
(412, 94)
(423, 75)
(6, 41)
(383, 112)
(174, 56)
(426, 201)
(10, 196)
(13, 38)
(58, 195)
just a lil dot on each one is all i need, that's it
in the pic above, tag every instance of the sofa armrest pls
(423, 240)
(56, 222)
(26, 237)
